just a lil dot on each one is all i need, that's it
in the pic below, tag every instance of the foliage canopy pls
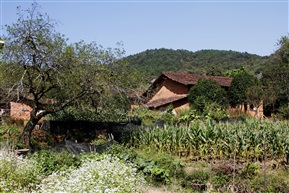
(276, 78)
(206, 62)
(207, 91)
(237, 91)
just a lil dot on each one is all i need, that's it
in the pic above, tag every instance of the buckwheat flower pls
(101, 174)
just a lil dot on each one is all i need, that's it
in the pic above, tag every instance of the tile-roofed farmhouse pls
(173, 87)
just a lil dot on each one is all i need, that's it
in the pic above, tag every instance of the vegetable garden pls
(206, 156)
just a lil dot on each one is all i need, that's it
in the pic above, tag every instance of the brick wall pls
(20, 111)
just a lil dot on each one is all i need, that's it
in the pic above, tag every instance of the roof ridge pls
(190, 79)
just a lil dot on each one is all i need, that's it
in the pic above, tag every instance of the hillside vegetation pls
(209, 62)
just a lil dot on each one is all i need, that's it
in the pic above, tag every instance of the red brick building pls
(15, 110)
(20, 111)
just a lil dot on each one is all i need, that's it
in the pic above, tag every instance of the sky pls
(252, 26)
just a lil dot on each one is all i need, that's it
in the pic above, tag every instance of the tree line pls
(206, 62)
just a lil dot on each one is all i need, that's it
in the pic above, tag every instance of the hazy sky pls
(247, 26)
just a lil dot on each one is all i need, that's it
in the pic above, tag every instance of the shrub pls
(55, 161)
(197, 180)
(148, 117)
(157, 168)
(10, 135)
(283, 112)
(275, 182)
(13, 121)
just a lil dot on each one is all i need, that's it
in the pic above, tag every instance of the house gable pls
(170, 88)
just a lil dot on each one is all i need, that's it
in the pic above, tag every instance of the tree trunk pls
(258, 113)
(27, 131)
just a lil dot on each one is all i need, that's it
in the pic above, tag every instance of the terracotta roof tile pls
(163, 101)
(191, 79)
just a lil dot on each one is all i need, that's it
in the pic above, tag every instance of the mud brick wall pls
(170, 88)
(20, 111)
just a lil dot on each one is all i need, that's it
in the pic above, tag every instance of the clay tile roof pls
(191, 79)
(163, 101)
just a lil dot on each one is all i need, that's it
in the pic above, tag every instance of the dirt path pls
(156, 190)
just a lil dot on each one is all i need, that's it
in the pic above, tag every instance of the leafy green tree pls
(46, 73)
(276, 77)
(207, 91)
(282, 53)
(237, 91)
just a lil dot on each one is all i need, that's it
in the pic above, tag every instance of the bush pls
(157, 168)
(94, 173)
(10, 135)
(283, 112)
(275, 182)
(160, 168)
(197, 180)
(148, 117)
(55, 161)
(202, 110)
(13, 121)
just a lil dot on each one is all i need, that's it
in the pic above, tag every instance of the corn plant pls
(208, 139)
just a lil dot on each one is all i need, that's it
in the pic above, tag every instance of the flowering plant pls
(103, 173)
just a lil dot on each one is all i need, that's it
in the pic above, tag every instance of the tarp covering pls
(86, 131)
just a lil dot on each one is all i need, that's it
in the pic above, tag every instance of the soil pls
(156, 190)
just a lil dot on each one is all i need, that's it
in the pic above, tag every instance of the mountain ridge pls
(152, 62)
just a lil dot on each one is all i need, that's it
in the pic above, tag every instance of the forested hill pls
(151, 63)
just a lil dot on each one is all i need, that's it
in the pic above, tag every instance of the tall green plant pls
(208, 139)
